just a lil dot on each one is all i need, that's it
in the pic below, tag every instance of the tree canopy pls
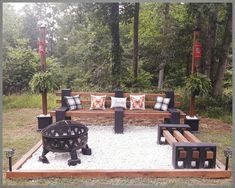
(90, 45)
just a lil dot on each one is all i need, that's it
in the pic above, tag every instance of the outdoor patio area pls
(137, 148)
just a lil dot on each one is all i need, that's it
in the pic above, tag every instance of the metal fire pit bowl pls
(65, 136)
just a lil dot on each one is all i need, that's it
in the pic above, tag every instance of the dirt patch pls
(214, 124)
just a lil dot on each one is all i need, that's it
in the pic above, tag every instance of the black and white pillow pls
(73, 102)
(162, 103)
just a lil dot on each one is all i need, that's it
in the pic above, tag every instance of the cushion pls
(73, 102)
(118, 102)
(137, 102)
(162, 103)
(97, 102)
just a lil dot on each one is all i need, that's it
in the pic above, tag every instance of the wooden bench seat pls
(88, 113)
(143, 114)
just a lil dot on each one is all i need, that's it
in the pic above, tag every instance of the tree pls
(30, 26)
(115, 50)
(12, 26)
(211, 41)
(18, 68)
(164, 50)
(226, 44)
(135, 40)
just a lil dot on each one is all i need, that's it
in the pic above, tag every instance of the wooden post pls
(195, 63)
(42, 52)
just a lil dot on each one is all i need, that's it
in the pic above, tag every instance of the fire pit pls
(65, 136)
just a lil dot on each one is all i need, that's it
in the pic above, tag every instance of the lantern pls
(41, 48)
(197, 51)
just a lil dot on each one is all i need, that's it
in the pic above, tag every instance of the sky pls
(18, 6)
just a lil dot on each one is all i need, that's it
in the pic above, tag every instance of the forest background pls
(136, 46)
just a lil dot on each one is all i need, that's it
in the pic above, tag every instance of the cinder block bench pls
(187, 150)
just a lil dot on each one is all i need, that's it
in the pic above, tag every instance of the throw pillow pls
(73, 102)
(97, 102)
(158, 104)
(162, 103)
(118, 102)
(137, 102)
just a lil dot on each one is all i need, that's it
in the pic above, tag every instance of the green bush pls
(130, 83)
(219, 107)
(43, 82)
(197, 83)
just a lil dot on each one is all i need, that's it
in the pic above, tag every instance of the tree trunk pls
(164, 49)
(135, 40)
(114, 27)
(210, 43)
(218, 84)
(161, 75)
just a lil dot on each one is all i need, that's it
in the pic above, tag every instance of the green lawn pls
(19, 132)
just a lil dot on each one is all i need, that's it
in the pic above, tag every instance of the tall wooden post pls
(42, 52)
(195, 63)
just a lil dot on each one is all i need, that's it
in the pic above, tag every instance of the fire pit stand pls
(65, 136)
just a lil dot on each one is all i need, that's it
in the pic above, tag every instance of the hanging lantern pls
(41, 50)
(197, 51)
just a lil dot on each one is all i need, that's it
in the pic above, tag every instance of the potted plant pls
(196, 84)
(42, 82)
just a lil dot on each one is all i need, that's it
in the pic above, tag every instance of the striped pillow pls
(73, 102)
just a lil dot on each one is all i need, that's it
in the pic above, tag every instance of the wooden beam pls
(26, 156)
(90, 113)
(170, 139)
(191, 137)
(200, 173)
(179, 137)
(195, 154)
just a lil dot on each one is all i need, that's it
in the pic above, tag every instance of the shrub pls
(43, 82)
(197, 83)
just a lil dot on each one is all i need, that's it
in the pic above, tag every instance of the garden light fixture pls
(10, 153)
(227, 154)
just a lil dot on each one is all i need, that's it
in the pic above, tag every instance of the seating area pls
(129, 107)
(187, 150)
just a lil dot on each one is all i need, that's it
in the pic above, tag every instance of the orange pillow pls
(137, 102)
(97, 102)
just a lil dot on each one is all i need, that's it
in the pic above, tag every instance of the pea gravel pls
(137, 148)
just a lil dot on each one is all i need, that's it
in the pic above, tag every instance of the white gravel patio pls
(137, 148)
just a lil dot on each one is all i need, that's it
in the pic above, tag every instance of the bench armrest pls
(175, 116)
(60, 113)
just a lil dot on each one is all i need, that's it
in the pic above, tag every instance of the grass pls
(28, 100)
(19, 132)
(122, 181)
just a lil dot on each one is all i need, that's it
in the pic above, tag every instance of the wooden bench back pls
(150, 98)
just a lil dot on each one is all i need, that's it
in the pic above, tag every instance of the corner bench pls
(173, 115)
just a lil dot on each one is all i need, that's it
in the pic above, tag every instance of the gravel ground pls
(137, 148)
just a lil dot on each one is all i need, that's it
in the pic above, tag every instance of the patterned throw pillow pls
(162, 103)
(73, 102)
(137, 102)
(118, 102)
(97, 102)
